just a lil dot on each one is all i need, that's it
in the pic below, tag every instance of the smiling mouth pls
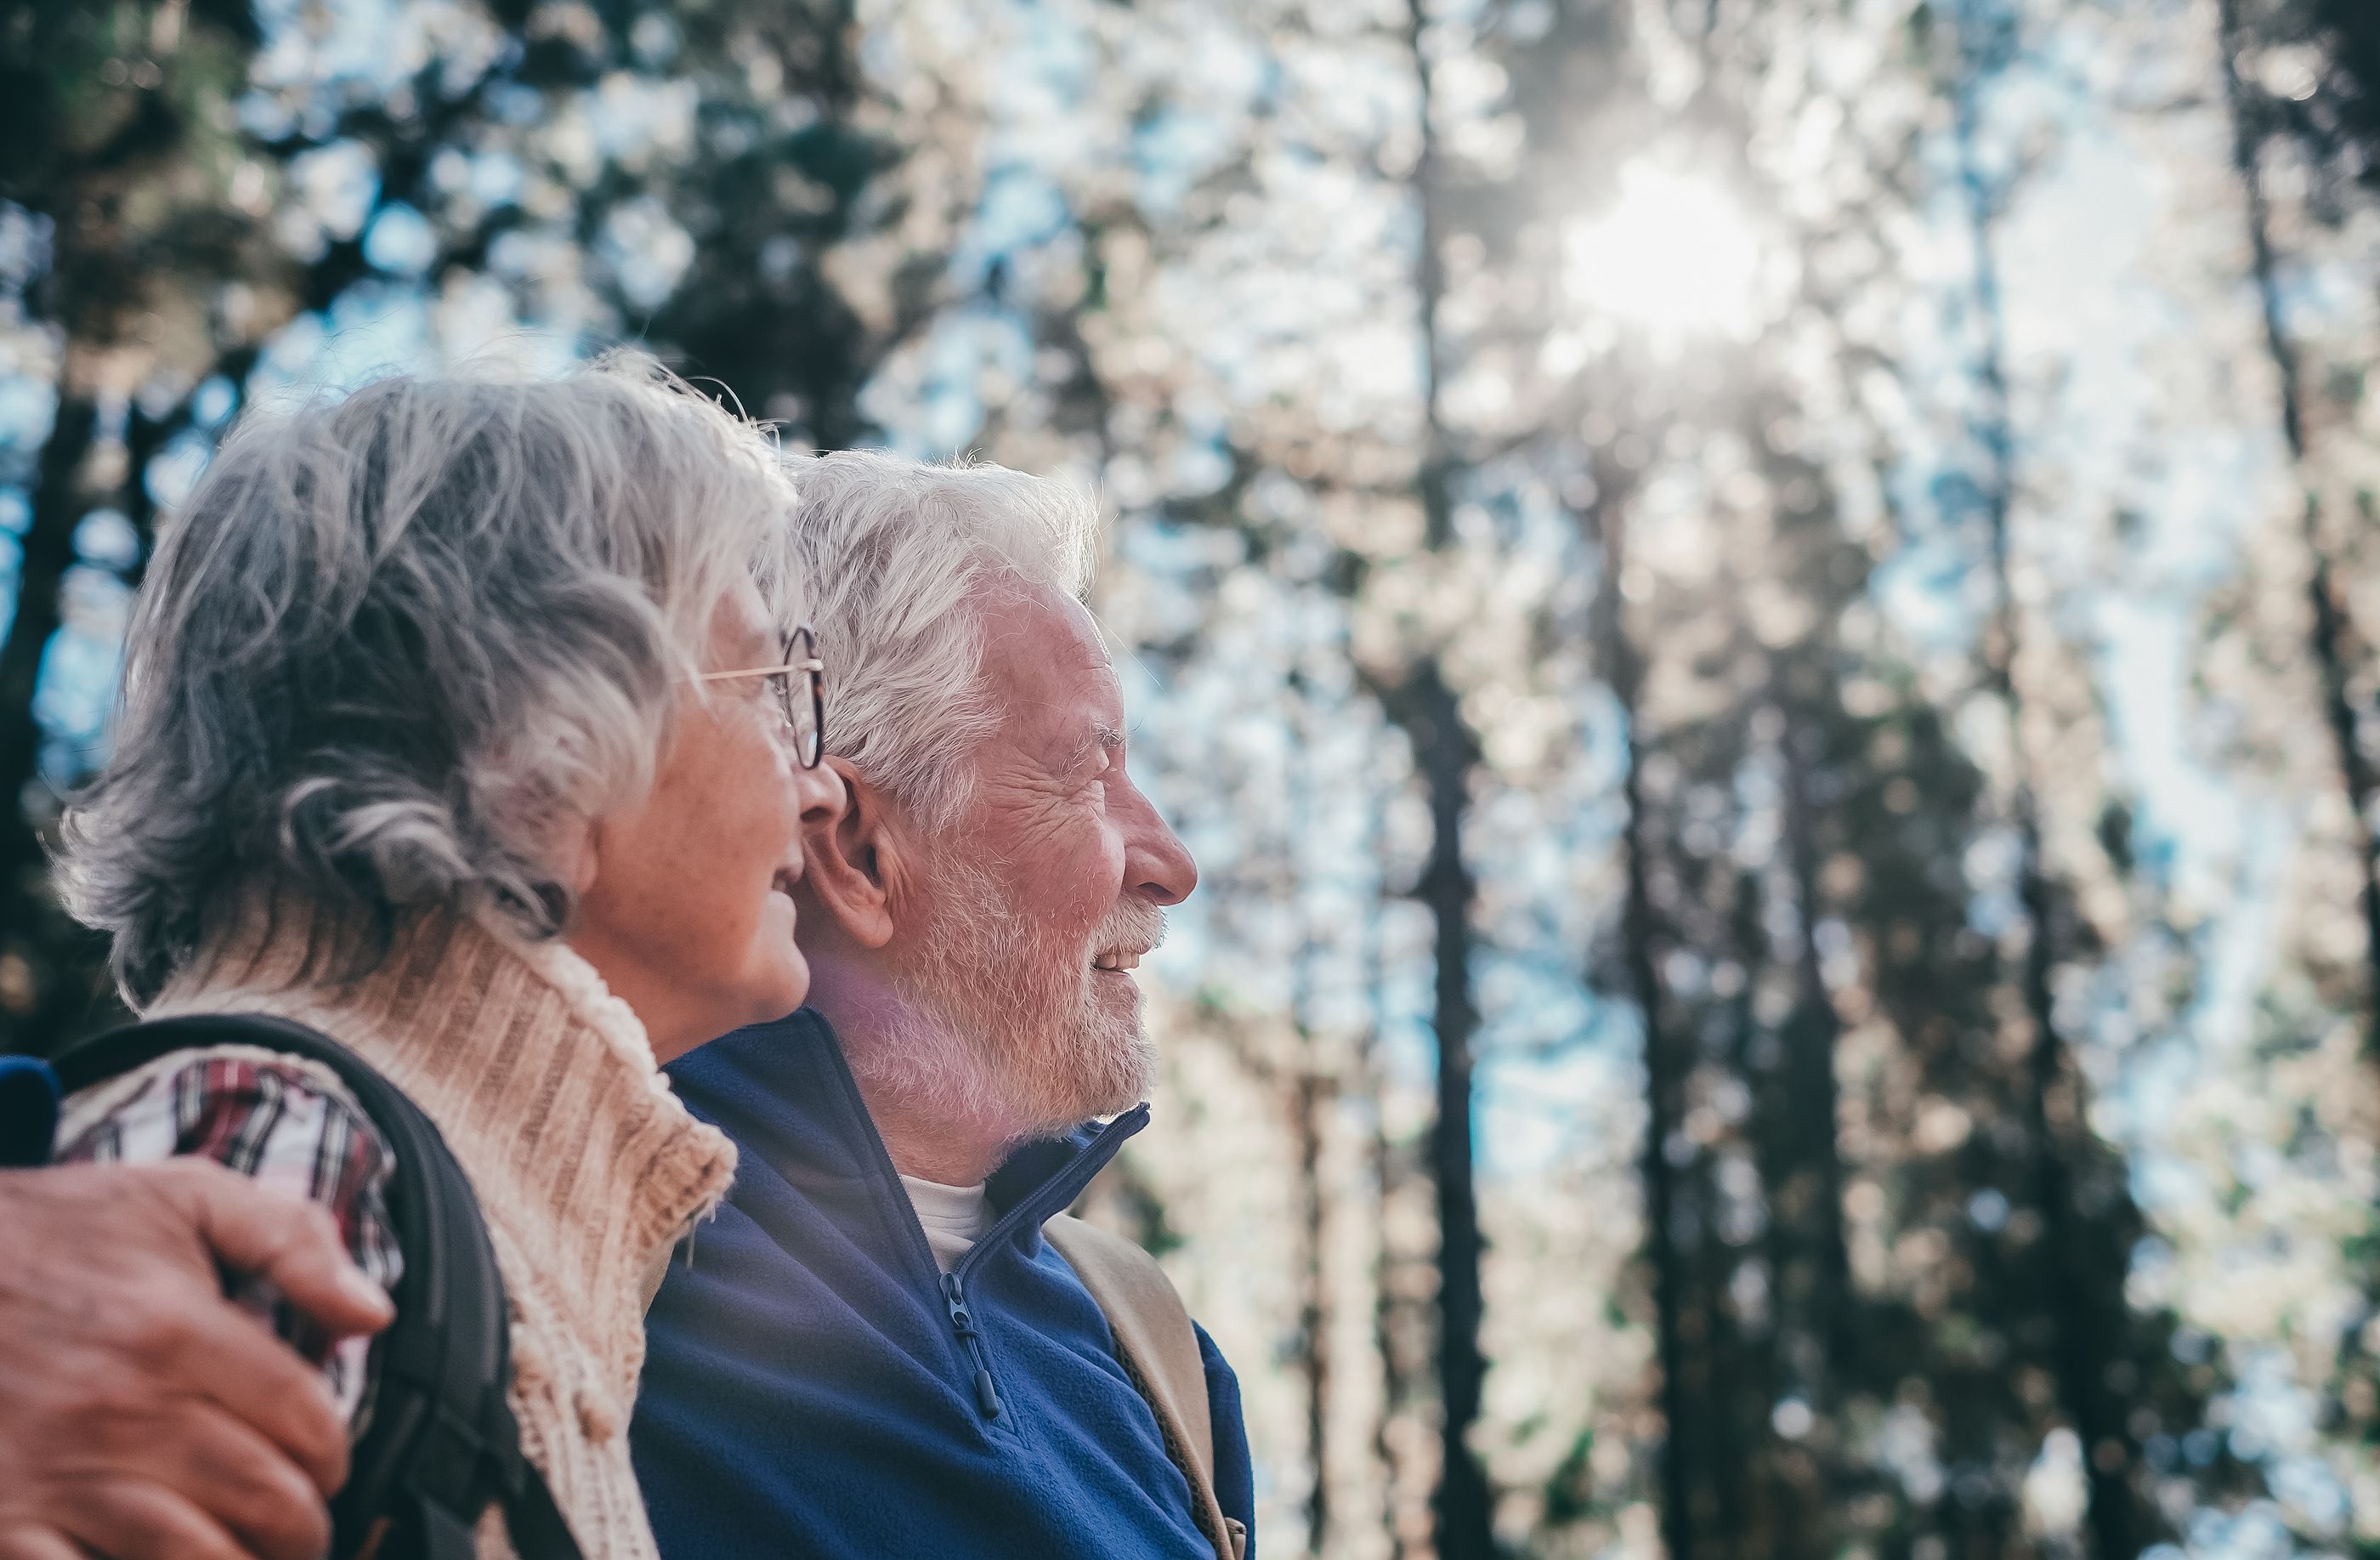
(784, 880)
(1117, 962)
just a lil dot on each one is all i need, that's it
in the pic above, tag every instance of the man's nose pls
(1157, 864)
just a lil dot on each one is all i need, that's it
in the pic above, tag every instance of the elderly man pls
(875, 1352)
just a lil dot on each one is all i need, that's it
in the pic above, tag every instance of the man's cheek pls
(1099, 877)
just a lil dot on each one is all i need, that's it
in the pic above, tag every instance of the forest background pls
(1760, 612)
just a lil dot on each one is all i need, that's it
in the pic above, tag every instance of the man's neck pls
(926, 1133)
(928, 1150)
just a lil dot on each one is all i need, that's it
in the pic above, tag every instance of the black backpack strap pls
(441, 1445)
(535, 1522)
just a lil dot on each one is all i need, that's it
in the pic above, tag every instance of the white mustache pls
(1125, 934)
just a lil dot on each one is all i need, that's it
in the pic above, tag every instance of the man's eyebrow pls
(1102, 737)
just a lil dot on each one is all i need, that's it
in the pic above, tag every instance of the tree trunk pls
(1314, 1096)
(27, 910)
(1445, 752)
(2328, 636)
(2080, 1348)
(1387, 1176)
(1624, 673)
(1393, 1376)
(1810, 1335)
(1813, 1104)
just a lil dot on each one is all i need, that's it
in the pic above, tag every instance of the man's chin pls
(1121, 1067)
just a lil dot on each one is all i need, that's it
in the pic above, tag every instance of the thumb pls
(259, 1232)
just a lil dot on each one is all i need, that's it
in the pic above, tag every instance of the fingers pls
(127, 1521)
(147, 1462)
(293, 1243)
(146, 1414)
(38, 1543)
(252, 1489)
(227, 1357)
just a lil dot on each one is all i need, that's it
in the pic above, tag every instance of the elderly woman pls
(455, 727)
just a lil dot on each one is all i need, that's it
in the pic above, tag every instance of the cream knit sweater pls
(587, 1168)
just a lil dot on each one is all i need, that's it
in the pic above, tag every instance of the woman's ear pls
(581, 857)
(852, 862)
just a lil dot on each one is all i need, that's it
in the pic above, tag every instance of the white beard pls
(1001, 1029)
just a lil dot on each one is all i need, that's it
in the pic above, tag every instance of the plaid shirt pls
(286, 1125)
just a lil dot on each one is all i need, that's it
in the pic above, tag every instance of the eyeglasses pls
(803, 705)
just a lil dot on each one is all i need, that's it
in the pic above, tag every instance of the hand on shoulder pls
(147, 1415)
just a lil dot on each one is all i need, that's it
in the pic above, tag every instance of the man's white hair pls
(393, 647)
(899, 555)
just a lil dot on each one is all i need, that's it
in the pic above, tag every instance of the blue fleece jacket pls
(815, 1386)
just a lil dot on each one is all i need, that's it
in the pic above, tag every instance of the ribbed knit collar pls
(542, 1082)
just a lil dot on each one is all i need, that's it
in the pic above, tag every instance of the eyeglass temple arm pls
(760, 671)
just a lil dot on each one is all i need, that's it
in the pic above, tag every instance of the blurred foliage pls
(1758, 614)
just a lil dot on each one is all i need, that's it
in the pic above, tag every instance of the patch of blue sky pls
(970, 351)
(29, 410)
(492, 178)
(1173, 149)
(213, 402)
(2235, 949)
(1047, 75)
(369, 331)
(15, 519)
(1021, 208)
(74, 687)
(1408, 1038)
(329, 194)
(25, 245)
(2321, 301)
(1994, 901)
(367, 48)
(267, 116)
(106, 538)
(400, 240)
(2148, 642)
(635, 118)
(174, 472)
(2255, 1531)
(1533, 1002)
(1531, 1114)
(2274, 1418)
(382, 326)
(646, 248)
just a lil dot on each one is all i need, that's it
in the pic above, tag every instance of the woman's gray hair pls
(393, 648)
(897, 555)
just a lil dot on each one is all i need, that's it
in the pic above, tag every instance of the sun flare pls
(1674, 256)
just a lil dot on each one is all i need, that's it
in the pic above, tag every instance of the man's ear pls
(853, 864)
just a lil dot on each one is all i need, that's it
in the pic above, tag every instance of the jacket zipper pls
(987, 1396)
(953, 1283)
(1053, 1195)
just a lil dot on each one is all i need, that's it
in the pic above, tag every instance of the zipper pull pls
(954, 1301)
